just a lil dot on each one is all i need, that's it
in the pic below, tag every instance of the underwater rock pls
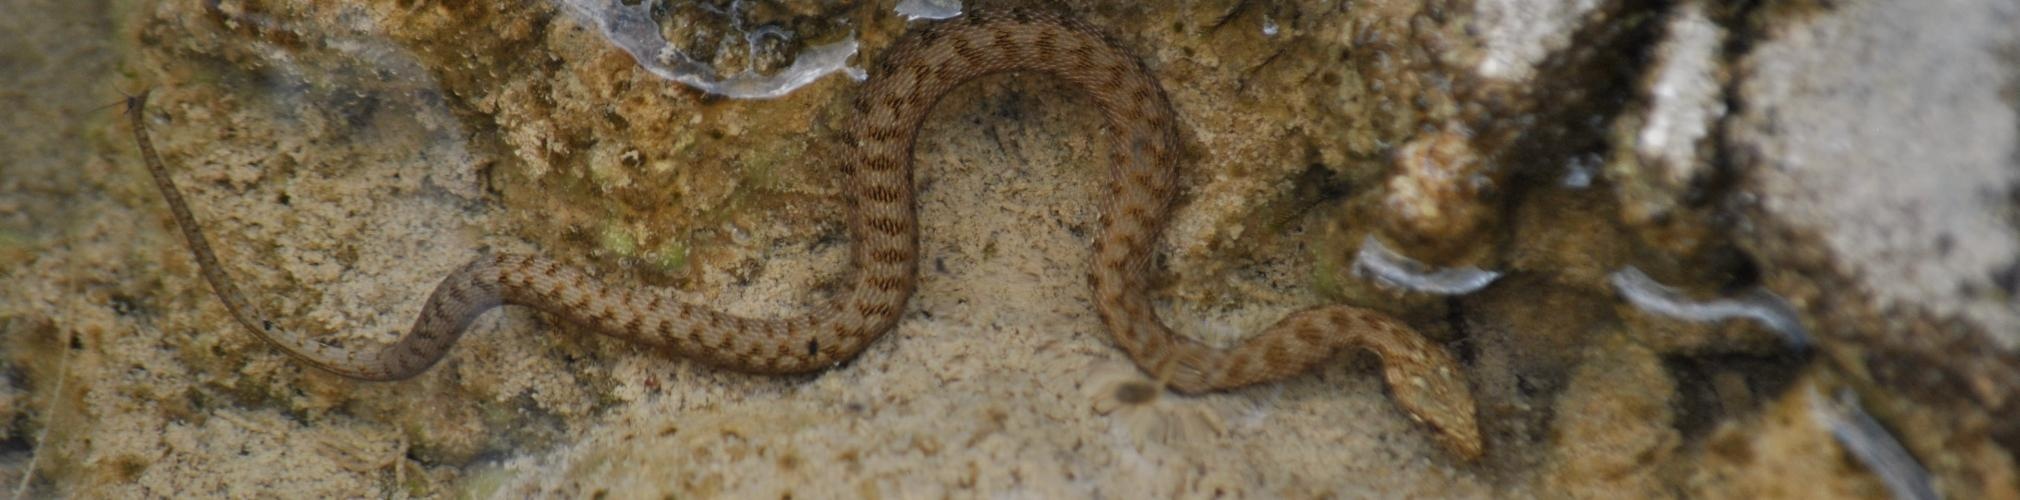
(1517, 34)
(1441, 191)
(1889, 131)
(1878, 149)
(1664, 147)
(632, 28)
(1876, 153)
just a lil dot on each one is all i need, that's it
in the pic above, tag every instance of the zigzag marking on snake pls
(913, 75)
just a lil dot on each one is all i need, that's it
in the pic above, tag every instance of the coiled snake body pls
(914, 74)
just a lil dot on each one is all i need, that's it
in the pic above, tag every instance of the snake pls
(882, 272)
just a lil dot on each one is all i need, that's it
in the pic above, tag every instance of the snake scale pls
(884, 253)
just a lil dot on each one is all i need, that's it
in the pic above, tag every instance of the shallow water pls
(345, 158)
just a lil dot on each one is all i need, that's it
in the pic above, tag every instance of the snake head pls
(1439, 399)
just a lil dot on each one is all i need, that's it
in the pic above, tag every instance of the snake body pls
(913, 75)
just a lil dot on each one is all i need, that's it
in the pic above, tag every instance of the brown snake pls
(915, 72)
